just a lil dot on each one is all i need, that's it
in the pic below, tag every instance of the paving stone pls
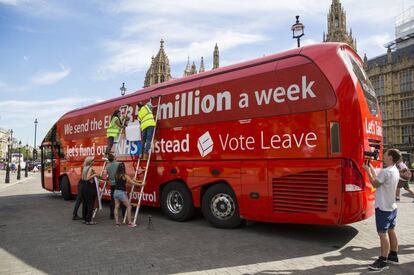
(37, 236)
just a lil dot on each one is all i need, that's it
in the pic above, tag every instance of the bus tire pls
(177, 201)
(220, 208)
(65, 188)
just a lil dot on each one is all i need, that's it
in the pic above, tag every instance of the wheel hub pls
(175, 202)
(222, 206)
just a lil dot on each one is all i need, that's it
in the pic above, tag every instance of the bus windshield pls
(366, 84)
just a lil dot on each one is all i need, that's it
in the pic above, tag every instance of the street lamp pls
(298, 30)
(27, 155)
(9, 141)
(34, 146)
(18, 165)
(123, 89)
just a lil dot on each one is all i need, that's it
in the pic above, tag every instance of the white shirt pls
(385, 194)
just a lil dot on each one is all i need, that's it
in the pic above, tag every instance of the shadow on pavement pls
(38, 230)
(357, 253)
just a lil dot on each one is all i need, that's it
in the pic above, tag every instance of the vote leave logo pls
(205, 144)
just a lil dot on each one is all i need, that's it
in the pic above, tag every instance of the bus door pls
(50, 167)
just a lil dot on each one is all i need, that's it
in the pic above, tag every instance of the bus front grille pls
(305, 192)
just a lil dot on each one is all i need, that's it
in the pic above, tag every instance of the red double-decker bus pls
(278, 139)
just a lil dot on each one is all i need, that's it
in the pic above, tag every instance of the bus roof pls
(218, 71)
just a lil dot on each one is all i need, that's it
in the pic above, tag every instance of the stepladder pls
(142, 167)
(114, 150)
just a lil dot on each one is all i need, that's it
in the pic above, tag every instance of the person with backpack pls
(111, 169)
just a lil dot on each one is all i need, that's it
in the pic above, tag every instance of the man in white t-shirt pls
(385, 208)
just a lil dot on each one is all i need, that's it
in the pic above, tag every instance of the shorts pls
(403, 184)
(120, 195)
(385, 220)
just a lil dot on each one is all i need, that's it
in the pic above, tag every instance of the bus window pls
(47, 157)
(366, 84)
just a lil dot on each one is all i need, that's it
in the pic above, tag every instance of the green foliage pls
(27, 154)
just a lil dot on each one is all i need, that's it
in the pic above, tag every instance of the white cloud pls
(373, 11)
(374, 44)
(139, 38)
(39, 79)
(42, 8)
(13, 2)
(45, 108)
(19, 115)
(48, 78)
(131, 57)
(193, 27)
(228, 7)
(3, 85)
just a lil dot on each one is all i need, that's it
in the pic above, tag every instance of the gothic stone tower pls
(160, 70)
(192, 69)
(337, 26)
(202, 69)
(216, 57)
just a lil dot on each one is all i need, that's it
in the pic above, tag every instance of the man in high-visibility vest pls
(113, 131)
(147, 121)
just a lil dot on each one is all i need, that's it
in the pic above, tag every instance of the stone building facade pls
(337, 31)
(4, 135)
(392, 76)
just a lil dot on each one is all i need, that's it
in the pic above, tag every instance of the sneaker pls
(76, 217)
(131, 225)
(379, 265)
(393, 259)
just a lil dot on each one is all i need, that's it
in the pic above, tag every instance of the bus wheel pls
(65, 188)
(220, 207)
(177, 202)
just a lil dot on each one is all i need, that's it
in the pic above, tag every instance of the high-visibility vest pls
(146, 118)
(113, 129)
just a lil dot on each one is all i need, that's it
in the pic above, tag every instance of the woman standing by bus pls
(120, 194)
(89, 190)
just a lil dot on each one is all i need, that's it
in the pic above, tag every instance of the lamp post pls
(18, 165)
(27, 155)
(298, 30)
(34, 145)
(9, 140)
(123, 89)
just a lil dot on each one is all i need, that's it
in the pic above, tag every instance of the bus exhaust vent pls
(305, 192)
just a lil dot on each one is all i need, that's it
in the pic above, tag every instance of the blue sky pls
(59, 55)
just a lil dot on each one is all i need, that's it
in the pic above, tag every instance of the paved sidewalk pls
(13, 178)
(37, 236)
